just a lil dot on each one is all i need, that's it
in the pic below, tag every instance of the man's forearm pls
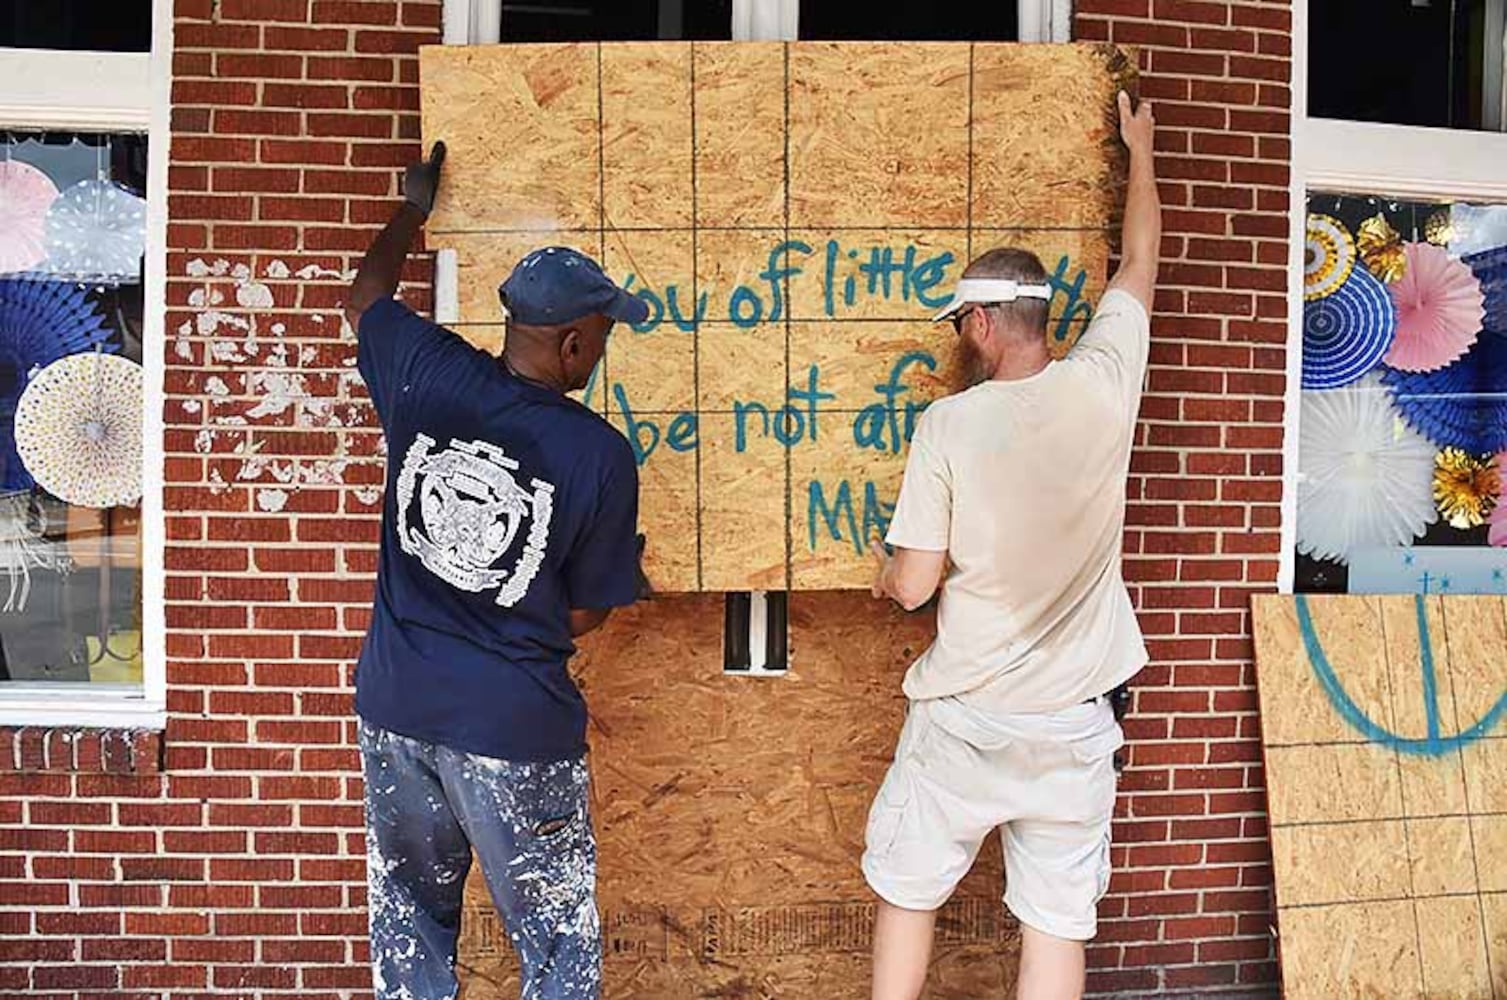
(382, 267)
(1142, 239)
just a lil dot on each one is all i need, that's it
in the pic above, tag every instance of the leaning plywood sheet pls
(1386, 765)
(792, 214)
(730, 814)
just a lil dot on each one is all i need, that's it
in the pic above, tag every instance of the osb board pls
(1386, 769)
(793, 214)
(730, 814)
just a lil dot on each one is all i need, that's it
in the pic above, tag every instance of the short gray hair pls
(1022, 266)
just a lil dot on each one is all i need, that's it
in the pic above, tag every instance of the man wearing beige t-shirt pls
(1015, 489)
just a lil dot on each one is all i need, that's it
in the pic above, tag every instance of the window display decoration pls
(1490, 269)
(1463, 405)
(1439, 229)
(1329, 256)
(79, 429)
(1380, 249)
(26, 194)
(1346, 333)
(24, 546)
(1440, 307)
(1467, 487)
(1364, 477)
(1498, 520)
(40, 322)
(96, 229)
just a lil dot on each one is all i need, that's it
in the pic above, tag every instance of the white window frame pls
(1398, 161)
(111, 92)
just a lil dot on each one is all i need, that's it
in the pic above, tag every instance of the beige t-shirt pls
(1022, 483)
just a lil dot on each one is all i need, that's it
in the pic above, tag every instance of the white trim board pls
(77, 91)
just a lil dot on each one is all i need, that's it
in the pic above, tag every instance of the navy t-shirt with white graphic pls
(507, 505)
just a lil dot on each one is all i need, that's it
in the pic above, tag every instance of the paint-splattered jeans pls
(426, 808)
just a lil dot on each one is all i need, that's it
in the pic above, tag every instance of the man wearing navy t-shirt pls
(508, 529)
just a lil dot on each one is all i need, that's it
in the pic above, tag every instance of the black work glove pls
(421, 181)
(644, 590)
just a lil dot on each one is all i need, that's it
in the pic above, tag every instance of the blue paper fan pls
(1346, 333)
(40, 322)
(1490, 267)
(1463, 405)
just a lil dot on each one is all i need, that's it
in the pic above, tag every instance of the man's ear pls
(570, 344)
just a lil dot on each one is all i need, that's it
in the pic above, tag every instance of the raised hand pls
(421, 181)
(1138, 127)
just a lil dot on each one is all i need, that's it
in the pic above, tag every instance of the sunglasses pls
(958, 317)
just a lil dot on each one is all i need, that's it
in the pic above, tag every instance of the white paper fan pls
(1365, 478)
(96, 229)
(78, 429)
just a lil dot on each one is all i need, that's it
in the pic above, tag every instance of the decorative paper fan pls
(97, 229)
(1364, 477)
(1490, 269)
(1498, 534)
(1381, 248)
(1329, 256)
(1439, 228)
(1462, 406)
(78, 429)
(1346, 333)
(40, 322)
(1439, 310)
(25, 195)
(1466, 487)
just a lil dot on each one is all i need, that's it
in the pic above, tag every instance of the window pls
(1405, 170)
(936, 22)
(118, 26)
(1407, 62)
(1403, 414)
(83, 129)
(616, 21)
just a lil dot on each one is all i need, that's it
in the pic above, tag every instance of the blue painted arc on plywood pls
(1434, 744)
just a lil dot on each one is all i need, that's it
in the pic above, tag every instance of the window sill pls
(77, 707)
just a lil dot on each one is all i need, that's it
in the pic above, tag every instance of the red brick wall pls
(1191, 904)
(225, 856)
(228, 856)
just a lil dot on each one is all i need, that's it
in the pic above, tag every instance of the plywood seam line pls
(696, 297)
(1470, 826)
(1402, 793)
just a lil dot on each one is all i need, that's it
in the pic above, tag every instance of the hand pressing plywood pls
(1386, 768)
(793, 214)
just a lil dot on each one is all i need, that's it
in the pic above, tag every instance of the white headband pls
(988, 291)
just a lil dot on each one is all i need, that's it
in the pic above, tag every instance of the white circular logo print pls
(470, 511)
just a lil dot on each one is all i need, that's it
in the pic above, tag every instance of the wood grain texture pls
(793, 215)
(730, 813)
(1385, 770)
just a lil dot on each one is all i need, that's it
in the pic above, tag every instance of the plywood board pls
(793, 214)
(1384, 721)
(730, 814)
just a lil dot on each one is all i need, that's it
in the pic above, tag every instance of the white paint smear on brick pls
(271, 501)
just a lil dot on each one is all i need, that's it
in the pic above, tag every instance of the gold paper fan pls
(1381, 249)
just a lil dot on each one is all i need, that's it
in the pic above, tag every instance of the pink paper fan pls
(1440, 307)
(25, 195)
(1498, 534)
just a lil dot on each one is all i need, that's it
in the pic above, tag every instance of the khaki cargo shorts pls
(1046, 782)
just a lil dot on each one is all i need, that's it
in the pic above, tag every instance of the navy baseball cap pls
(558, 285)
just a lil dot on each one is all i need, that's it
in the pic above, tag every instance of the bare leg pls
(902, 951)
(1051, 968)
